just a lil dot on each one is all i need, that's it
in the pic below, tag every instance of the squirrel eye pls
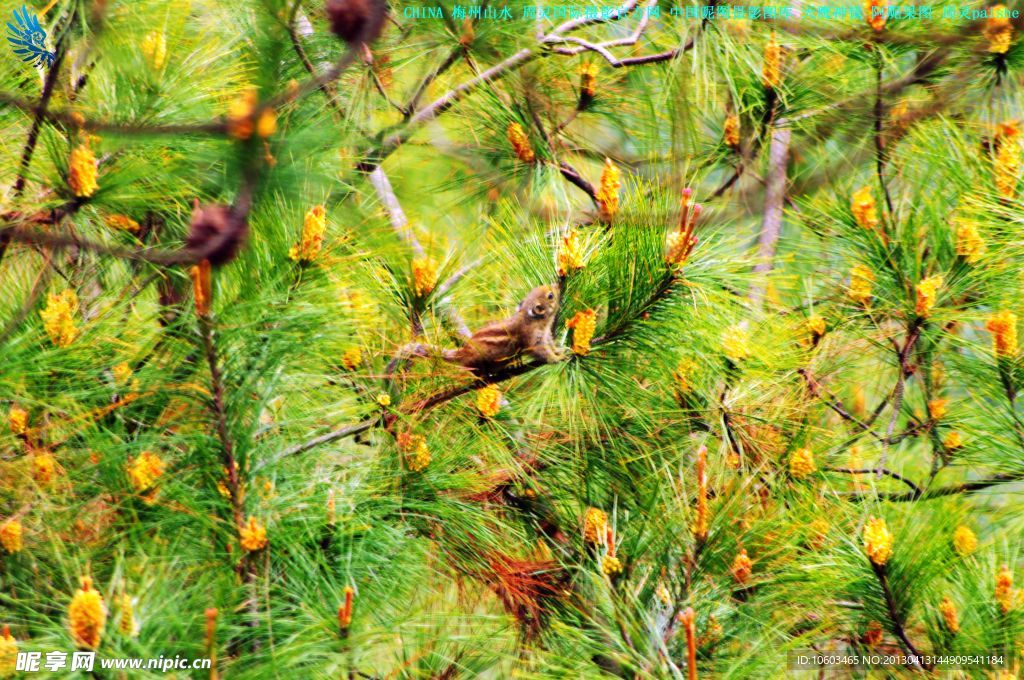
(551, 296)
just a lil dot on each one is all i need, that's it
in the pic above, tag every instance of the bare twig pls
(393, 208)
(774, 202)
(915, 489)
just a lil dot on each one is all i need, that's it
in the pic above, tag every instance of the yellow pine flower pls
(583, 325)
(998, 30)
(611, 565)
(771, 69)
(242, 121)
(875, 13)
(239, 119)
(1004, 593)
(819, 530)
(862, 280)
(424, 275)
(1006, 164)
(17, 418)
(877, 541)
(488, 401)
(11, 533)
(8, 653)
(661, 592)
(520, 143)
(927, 291)
(801, 463)
(253, 535)
(384, 399)
(937, 408)
(874, 634)
(87, 616)
(863, 207)
(860, 402)
(953, 440)
(588, 80)
(736, 343)
(731, 131)
(145, 469)
(314, 226)
(898, 113)
(965, 541)
(202, 287)
(595, 525)
(126, 624)
(969, 243)
(607, 193)
(684, 371)
(468, 35)
(570, 256)
(678, 245)
(815, 327)
(266, 125)
(742, 567)
(122, 373)
(82, 171)
(415, 450)
(700, 524)
(59, 317)
(122, 222)
(352, 357)
(44, 467)
(1003, 327)
(154, 49)
(950, 615)
(10, 536)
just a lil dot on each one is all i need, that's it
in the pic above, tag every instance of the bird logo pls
(29, 39)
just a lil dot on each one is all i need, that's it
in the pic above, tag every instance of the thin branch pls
(897, 620)
(450, 282)
(447, 63)
(915, 489)
(942, 492)
(577, 180)
(774, 202)
(75, 120)
(393, 208)
(332, 436)
(59, 241)
(220, 413)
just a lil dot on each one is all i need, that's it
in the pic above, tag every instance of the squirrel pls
(496, 344)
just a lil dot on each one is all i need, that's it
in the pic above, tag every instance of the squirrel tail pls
(419, 349)
(407, 352)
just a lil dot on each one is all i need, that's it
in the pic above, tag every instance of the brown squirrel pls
(528, 331)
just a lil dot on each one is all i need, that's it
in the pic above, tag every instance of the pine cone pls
(216, 233)
(357, 20)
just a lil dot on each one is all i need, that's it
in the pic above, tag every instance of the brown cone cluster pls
(357, 21)
(217, 232)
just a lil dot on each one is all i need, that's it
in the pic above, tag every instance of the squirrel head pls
(541, 303)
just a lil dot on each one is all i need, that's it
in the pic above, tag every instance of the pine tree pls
(784, 256)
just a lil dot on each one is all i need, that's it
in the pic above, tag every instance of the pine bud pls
(345, 610)
(202, 287)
